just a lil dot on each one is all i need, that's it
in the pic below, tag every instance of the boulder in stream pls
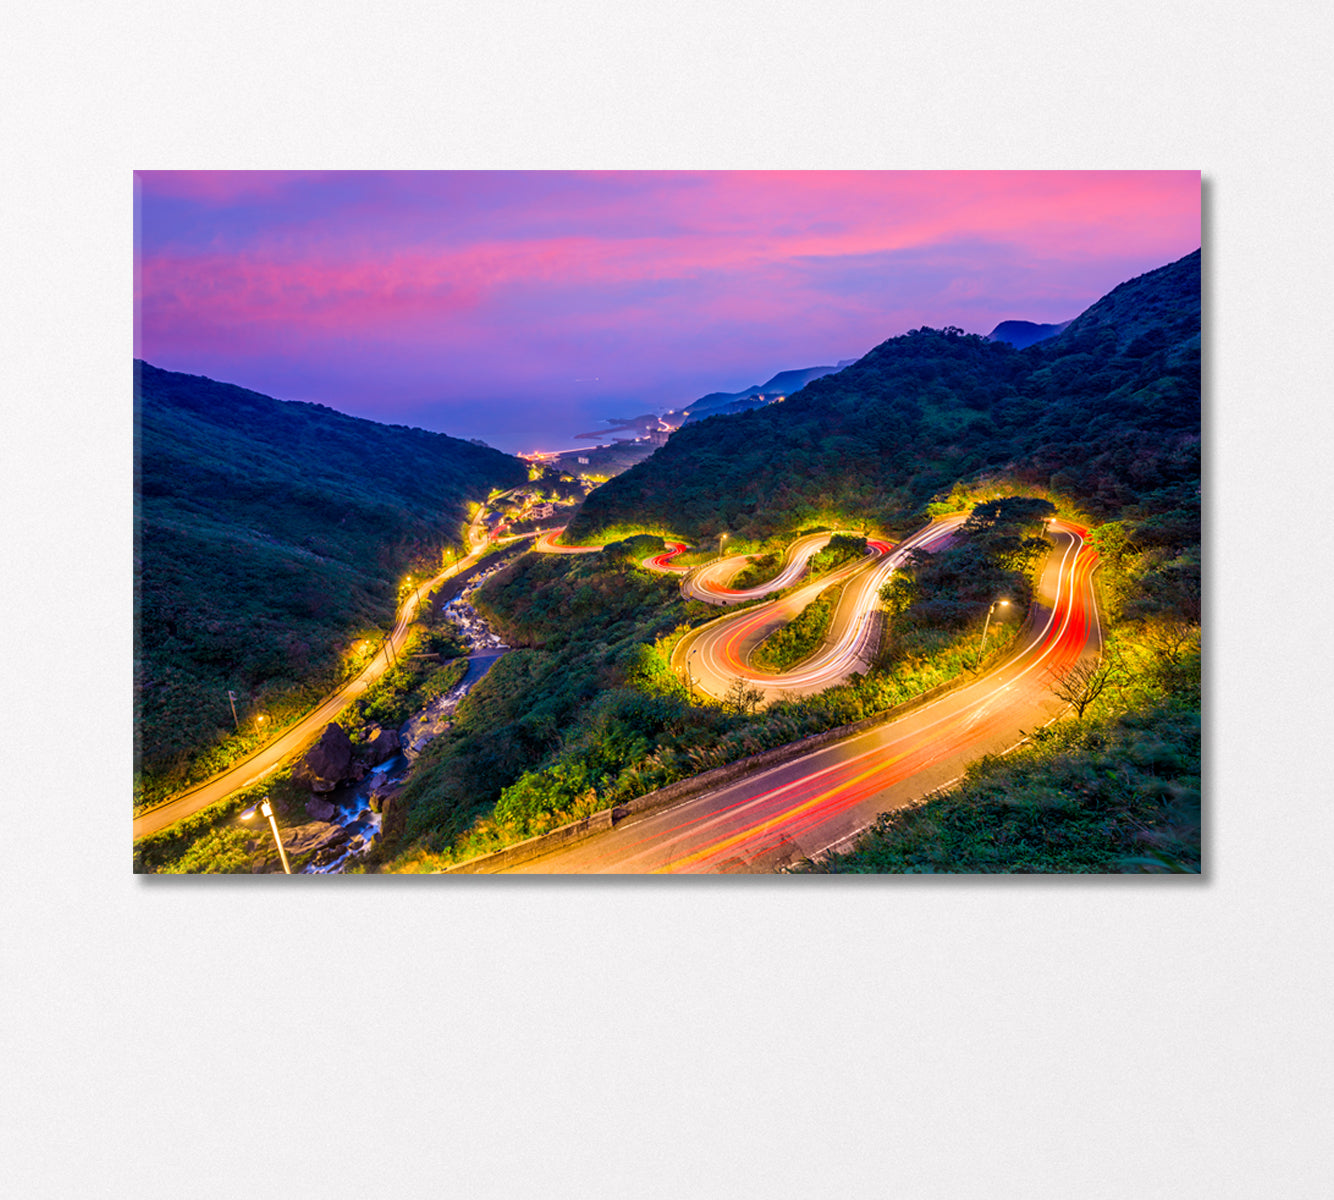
(320, 809)
(300, 841)
(327, 763)
(383, 744)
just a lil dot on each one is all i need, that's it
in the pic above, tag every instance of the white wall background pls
(511, 1038)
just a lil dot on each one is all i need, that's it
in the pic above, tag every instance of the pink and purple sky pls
(525, 307)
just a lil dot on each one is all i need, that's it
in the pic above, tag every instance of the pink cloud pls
(514, 278)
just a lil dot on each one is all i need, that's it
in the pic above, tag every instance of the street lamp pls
(986, 625)
(722, 537)
(266, 809)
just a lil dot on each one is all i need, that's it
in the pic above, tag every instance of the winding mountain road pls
(663, 562)
(803, 808)
(547, 544)
(709, 582)
(712, 657)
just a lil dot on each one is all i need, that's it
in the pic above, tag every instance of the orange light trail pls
(812, 801)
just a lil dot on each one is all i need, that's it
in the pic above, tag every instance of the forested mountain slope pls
(1108, 410)
(268, 533)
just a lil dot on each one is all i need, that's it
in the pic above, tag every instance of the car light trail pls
(830, 793)
(706, 584)
(722, 650)
(809, 803)
(546, 544)
(663, 561)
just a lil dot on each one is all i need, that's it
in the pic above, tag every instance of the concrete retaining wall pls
(535, 847)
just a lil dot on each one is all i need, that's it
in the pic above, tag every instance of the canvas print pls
(722, 522)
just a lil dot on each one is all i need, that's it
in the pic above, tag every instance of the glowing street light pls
(722, 537)
(266, 809)
(987, 624)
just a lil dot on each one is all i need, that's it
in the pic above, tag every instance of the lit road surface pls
(546, 544)
(663, 561)
(708, 583)
(712, 657)
(271, 755)
(803, 808)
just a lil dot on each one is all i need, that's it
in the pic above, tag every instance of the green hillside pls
(1108, 411)
(270, 535)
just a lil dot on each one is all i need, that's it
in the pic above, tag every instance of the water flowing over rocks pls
(469, 622)
(423, 727)
(356, 804)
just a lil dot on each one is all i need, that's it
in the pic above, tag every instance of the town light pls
(266, 809)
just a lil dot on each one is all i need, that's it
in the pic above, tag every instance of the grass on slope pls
(799, 638)
(1121, 794)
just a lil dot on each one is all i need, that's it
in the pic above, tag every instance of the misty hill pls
(755, 396)
(1024, 333)
(1107, 411)
(269, 533)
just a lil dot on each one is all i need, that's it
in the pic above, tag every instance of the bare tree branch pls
(1081, 684)
(741, 698)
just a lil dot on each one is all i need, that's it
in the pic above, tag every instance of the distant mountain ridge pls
(1024, 333)
(756, 396)
(1107, 411)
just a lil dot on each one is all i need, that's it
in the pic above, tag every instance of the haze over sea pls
(524, 307)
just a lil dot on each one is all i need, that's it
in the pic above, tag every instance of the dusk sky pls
(526, 307)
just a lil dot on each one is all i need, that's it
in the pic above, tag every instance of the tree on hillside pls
(1009, 512)
(1081, 684)
(1175, 643)
(742, 699)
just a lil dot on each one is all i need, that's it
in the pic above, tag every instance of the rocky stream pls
(355, 800)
